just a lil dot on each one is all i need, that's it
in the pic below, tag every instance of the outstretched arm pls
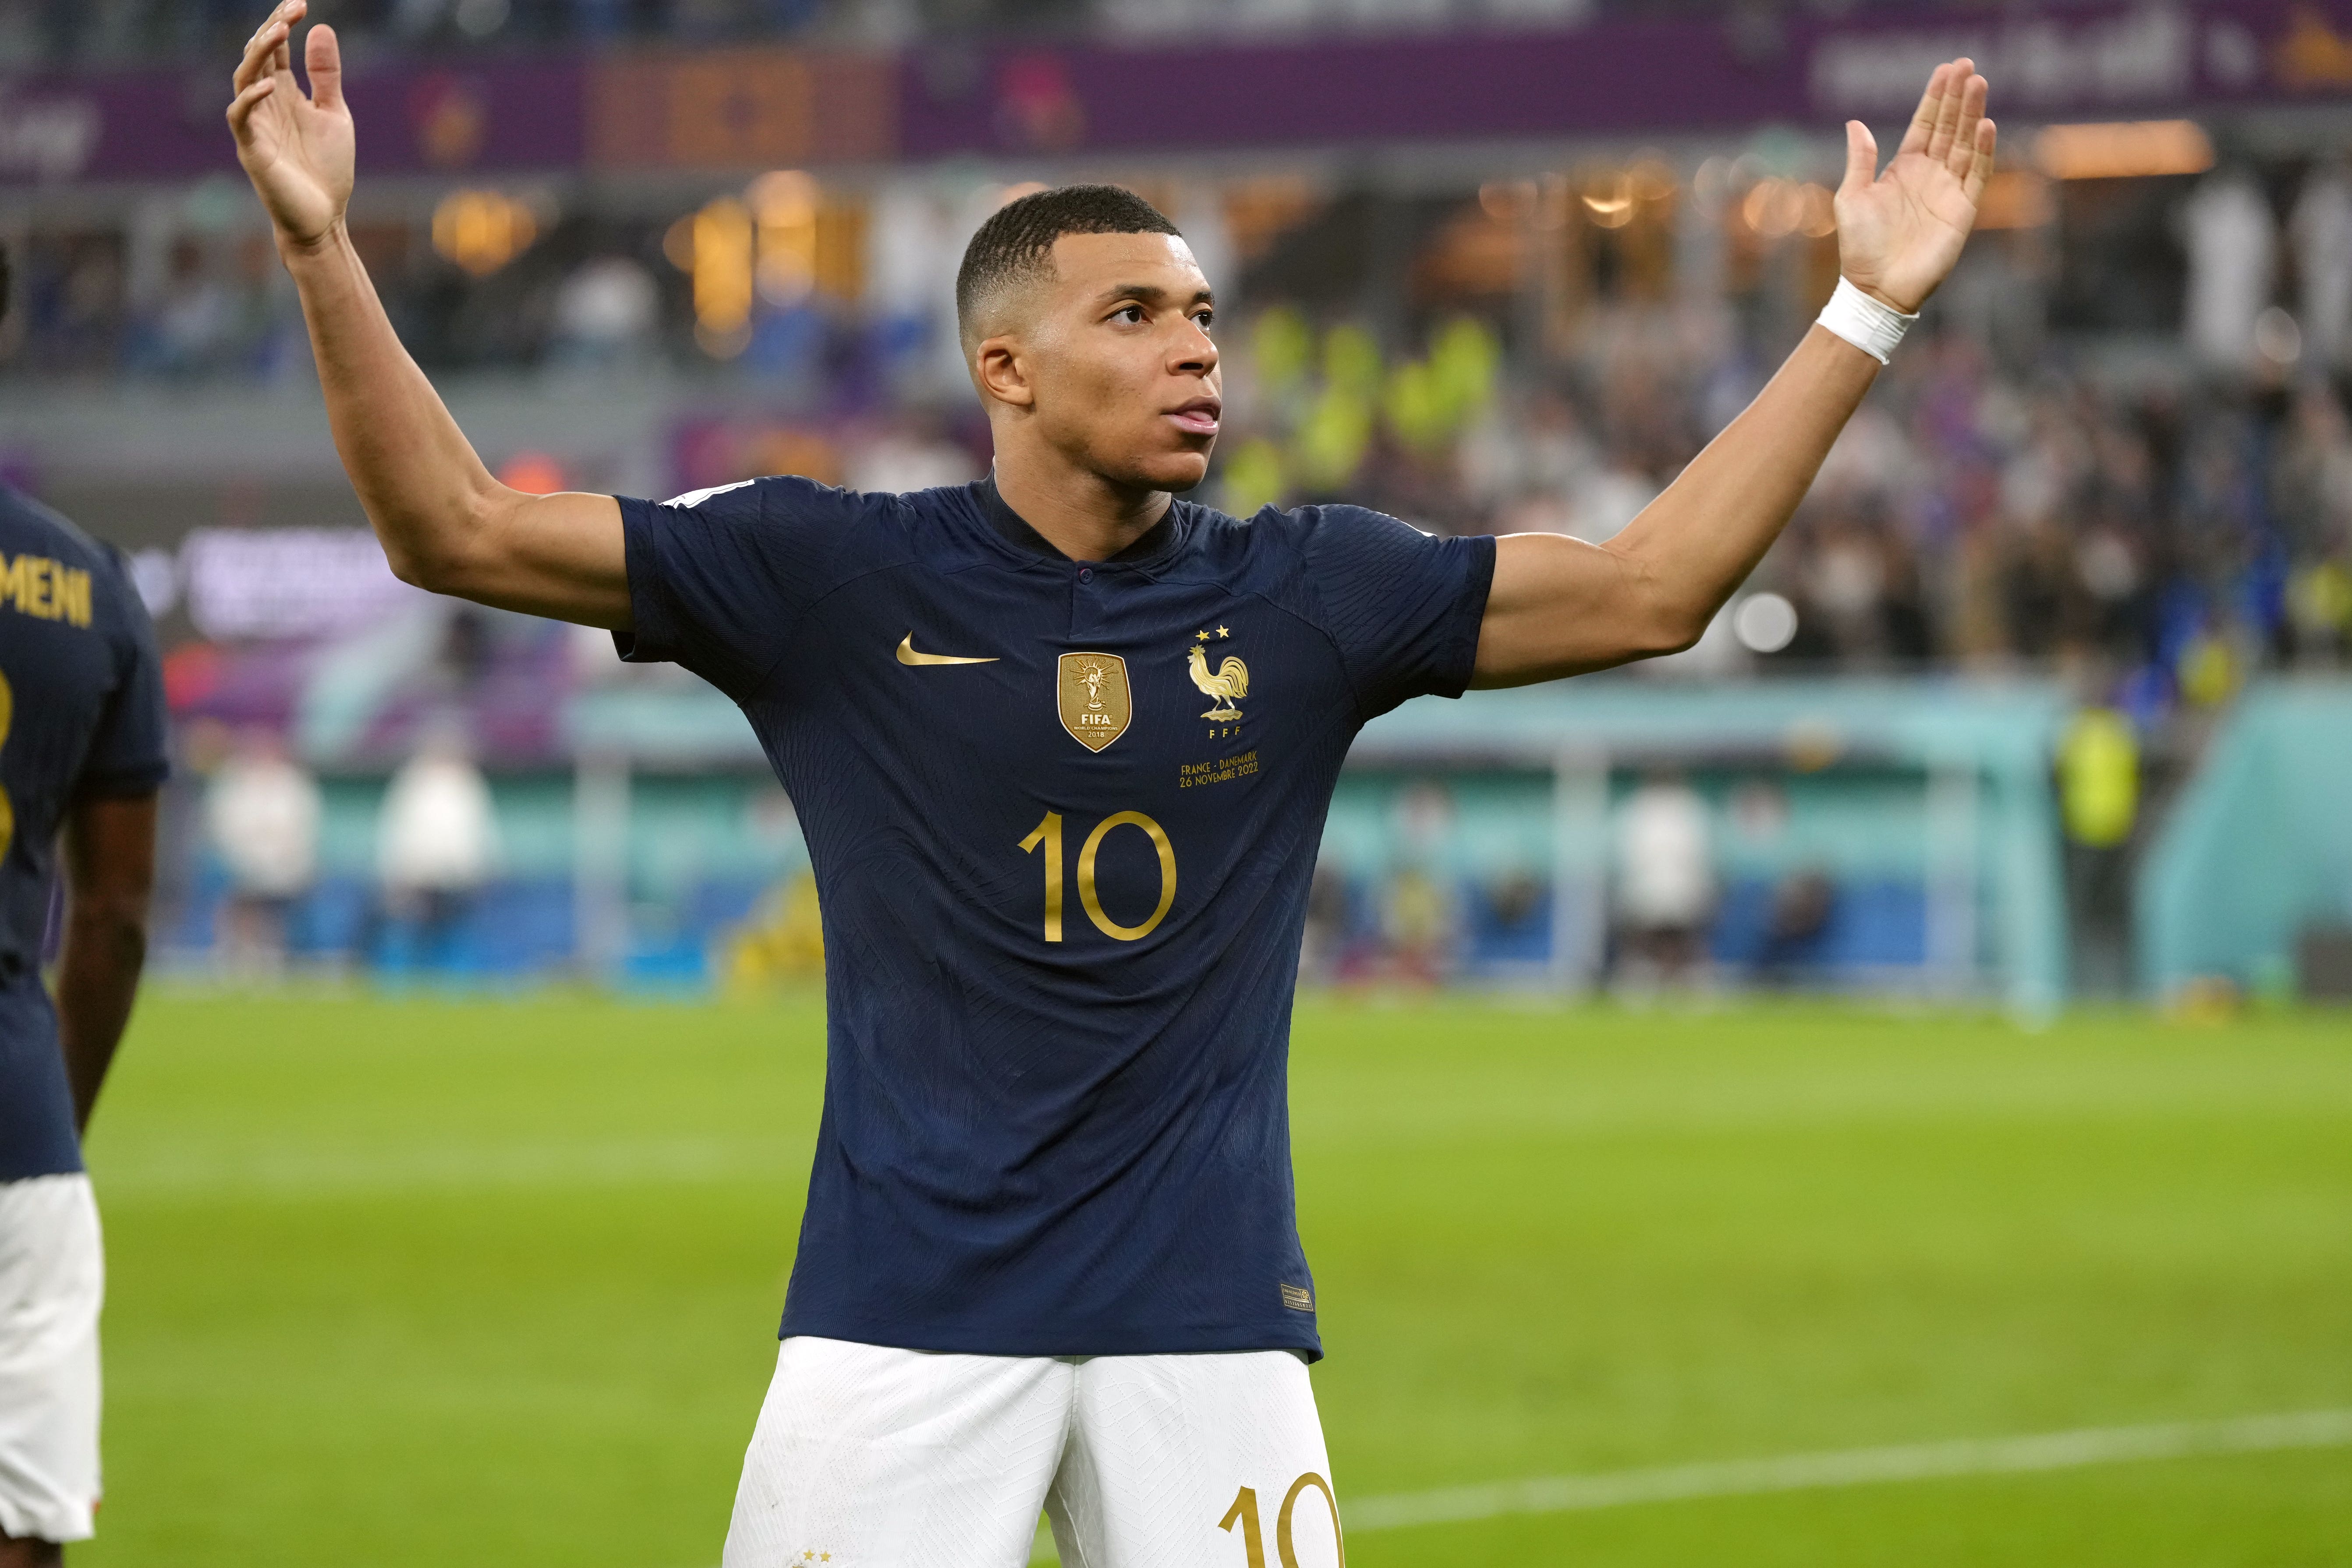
(445, 523)
(1559, 607)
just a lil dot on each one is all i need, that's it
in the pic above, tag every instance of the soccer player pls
(1062, 744)
(81, 755)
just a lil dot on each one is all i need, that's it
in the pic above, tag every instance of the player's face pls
(1126, 375)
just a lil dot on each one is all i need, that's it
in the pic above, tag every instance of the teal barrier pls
(2259, 846)
(1943, 783)
(1926, 803)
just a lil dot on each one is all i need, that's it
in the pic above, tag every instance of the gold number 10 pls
(1245, 1514)
(1049, 835)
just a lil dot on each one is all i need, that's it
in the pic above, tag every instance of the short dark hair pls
(1017, 240)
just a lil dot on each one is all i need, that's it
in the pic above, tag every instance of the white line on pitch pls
(1859, 1466)
(1846, 1468)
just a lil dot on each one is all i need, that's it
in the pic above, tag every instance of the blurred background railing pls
(1496, 266)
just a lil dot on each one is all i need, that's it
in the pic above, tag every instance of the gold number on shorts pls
(7, 807)
(1282, 1520)
(1048, 833)
(1244, 1509)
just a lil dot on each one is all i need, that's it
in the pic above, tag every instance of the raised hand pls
(1899, 232)
(297, 151)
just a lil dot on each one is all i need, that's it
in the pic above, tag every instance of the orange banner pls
(743, 109)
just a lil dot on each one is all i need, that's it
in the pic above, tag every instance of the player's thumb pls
(322, 60)
(1860, 156)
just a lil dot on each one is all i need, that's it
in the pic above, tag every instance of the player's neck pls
(1083, 515)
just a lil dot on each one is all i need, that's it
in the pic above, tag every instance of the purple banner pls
(1627, 77)
(725, 109)
(159, 124)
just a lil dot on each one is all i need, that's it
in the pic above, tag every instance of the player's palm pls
(1900, 232)
(297, 151)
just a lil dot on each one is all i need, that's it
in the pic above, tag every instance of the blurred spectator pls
(2098, 801)
(2321, 228)
(262, 814)
(2232, 247)
(2311, 483)
(465, 653)
(1513, 926)
(1802, 905)
(1530, 468)
(437, 843)
(1666, 880)
(1846, 584)
(911, 455)
(194, 319)
(606, 314)
(1419, 921)
(782, 939)
(1323, 950)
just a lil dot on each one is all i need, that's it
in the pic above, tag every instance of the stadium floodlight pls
(1764, 623)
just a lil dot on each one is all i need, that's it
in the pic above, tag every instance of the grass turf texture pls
(494, 1282)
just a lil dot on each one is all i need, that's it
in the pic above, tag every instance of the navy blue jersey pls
(1063, 818)
(81, 716)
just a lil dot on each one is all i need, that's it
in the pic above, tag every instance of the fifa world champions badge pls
(1091, 691)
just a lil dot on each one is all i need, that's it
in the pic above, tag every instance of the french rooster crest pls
(1230, 682)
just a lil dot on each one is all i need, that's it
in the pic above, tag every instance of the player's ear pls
(1002, 372)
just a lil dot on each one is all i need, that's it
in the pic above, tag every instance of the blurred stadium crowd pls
(2152, 515)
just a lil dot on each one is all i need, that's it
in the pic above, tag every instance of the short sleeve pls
(127, 753)
(1403, 606)
(718, 579)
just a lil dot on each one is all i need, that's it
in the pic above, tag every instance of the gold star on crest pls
(1202, 635)
(1224, 631)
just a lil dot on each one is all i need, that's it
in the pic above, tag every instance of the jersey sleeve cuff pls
(122, 784)
(653, 637)
(1461, 659)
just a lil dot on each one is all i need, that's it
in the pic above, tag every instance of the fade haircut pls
(1015, 245)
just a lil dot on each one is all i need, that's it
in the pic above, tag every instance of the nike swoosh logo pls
(906, 655)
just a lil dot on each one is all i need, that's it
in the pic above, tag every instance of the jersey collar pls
(1014, 528)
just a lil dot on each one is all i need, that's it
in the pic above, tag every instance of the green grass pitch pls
(495, 1282)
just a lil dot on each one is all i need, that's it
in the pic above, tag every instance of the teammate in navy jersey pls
(81, 754)
(1062, 745)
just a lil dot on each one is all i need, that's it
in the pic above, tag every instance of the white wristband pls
(1869, 325)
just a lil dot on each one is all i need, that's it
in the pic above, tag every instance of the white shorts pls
(52, 1283)
(871, 1457)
